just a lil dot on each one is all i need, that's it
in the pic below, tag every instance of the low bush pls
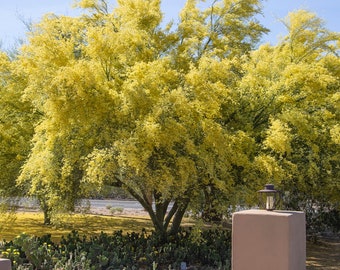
(207, 249)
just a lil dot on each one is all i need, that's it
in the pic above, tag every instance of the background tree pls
(314, 81)
(293, 88)
(62, 86)
(16, 127)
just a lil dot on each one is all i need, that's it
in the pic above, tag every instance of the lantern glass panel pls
(270, 202)
(268, 197)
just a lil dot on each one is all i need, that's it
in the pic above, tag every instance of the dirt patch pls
(324, 255)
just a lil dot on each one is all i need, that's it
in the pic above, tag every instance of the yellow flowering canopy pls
(190, 112)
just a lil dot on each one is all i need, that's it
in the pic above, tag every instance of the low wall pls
(268, 240)
(5, 264)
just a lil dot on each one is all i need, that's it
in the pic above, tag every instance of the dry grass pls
(32, 224)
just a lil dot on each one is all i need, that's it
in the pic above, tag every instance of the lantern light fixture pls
(268, 197)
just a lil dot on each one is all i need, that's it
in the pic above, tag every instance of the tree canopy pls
(193, 113)
(16, 126)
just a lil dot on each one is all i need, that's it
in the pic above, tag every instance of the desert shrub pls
(206, 248)
(321, 215)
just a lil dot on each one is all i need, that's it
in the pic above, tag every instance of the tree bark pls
(46, 211)
(159, 217)
(176, 223)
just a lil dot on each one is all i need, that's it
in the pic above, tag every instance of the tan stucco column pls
(268, 240)
(5, 264)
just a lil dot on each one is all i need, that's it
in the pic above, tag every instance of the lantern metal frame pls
(268, 197)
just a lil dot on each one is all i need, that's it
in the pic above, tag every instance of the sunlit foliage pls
(190, 114)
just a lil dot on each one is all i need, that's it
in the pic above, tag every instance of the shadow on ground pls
(323, 255)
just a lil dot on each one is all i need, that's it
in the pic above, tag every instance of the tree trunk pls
(46, 210)
(159, 216)
(177, 221)
(210, 213)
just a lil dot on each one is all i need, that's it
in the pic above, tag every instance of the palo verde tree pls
(16, 126)
(313, 79)
(174, 84)
(130, 103)
(63, 88)
(189, 113)
(292, 92)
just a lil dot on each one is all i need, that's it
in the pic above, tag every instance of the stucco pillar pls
(5, 264)
(268, 240)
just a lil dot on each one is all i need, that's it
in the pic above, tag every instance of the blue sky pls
(12, 13)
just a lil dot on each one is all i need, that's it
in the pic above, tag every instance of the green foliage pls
(39, 254)
(27, 252)
(118, 251)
